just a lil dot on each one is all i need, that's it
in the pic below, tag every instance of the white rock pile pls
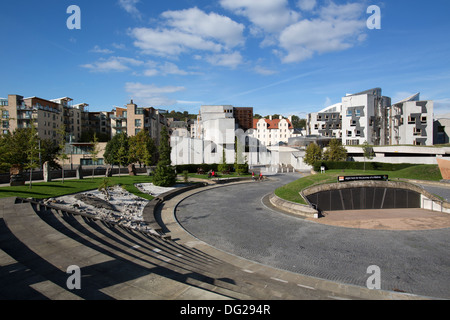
(124, 207)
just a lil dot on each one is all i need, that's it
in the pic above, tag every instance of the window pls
(357, 113)
(5, 114)
(417, 132)
(411, 120)
(349, 134)
(358, 133)
(353, 123)
(138, 123)
(349, 113)
(423, 119)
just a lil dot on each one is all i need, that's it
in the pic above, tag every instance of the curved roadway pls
(234, 218)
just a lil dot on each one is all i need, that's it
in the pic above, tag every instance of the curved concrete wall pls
(369, 195)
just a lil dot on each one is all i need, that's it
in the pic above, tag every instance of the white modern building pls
(369, 116)
(411, 122)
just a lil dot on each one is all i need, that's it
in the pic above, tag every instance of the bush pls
(350, 165)
(192, 168)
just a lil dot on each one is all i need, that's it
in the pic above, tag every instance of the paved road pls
(235, 219)
(443, 192)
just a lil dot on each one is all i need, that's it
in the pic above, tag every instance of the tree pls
(142, 148)
(368, 153)
(240, 161)
(32, 150)
(49, 153)
(298, 123)
(123, 156)
(313, 154)
(335, 151)
(223, 167)
(165, 175)
(62, 155)
(117, 150)
(94, 153)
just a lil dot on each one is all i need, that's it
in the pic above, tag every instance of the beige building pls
(134, 119)
(48, 116)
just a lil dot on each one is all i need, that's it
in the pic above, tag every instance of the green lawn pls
(43, 190)
(291, 191)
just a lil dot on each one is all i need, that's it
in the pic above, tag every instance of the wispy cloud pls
(130, 7)
(98, 49)
(113, 64)
(151, 95)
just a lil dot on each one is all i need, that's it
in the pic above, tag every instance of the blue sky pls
(277, 56)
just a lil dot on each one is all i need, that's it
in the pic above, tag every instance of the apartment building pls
(411, 122)
(326, 123)
(99, 122)
(365, 118)
(134, 119)
(19, 112)
(74, 117)
(271, 132)
(369, 116)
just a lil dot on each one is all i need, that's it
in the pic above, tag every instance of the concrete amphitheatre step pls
(38, 244)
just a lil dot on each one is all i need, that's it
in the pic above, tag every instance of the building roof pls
(272, 124)
(414, 97)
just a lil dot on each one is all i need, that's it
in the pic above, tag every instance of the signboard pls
(362, 178)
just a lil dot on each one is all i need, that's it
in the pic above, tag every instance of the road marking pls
(280, 280)
(306, 287)
(248, 271)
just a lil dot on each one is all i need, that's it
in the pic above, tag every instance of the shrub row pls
(192, 168)
(378, 166)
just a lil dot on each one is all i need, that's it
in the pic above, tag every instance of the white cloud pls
(113, 64)
(98, 49)
(307, 5)
(264, 71)
(164, 42)
(211, 26)
(338, 27)
(231, 60)
(151, 95)
(130, 7)
(167, 68)
(192, 31)
(268, 15)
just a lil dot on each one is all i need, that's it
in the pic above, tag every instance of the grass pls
(44, 190)
(291, 191)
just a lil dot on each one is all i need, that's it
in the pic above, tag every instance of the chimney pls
(270, 118)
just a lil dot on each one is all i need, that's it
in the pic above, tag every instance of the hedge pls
(192, 168)
(342, 165)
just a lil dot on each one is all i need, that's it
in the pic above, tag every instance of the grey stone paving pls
(234, 219)
(443, 192)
